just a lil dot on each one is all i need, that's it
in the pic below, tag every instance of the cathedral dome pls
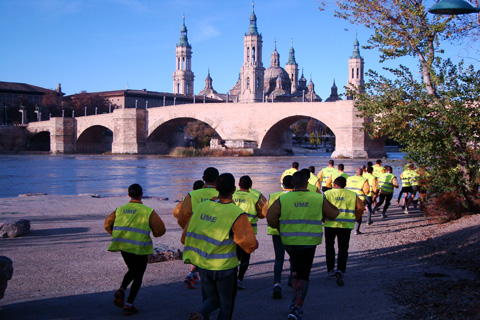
(271, 75)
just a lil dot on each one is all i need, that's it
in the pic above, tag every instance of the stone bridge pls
(256, 126)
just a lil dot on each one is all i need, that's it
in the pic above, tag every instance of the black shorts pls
(406, 190)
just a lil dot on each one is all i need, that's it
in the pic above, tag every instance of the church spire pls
(252, 30)
(356, 49)
(275, 57)
(291, 56)
(183, 35)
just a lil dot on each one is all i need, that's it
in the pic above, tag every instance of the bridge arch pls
(94, 139)
(39, 141)
(275, 137)
(166, 135)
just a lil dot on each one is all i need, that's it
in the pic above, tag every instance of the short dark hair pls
(287, 182)
(340, 181)
(369, 169)
(210, 175)
(379, 161)
(388, 169)
(341, 167)
(369, 164)
(312, 169)
(331, 162)
(295, 165)
(299, 179)
(225, 184)
(198, 184)
(135, 191)
(306, 172)
(245, 182)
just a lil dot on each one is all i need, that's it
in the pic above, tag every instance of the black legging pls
(244, 259)
(387, 197)
(136, 268)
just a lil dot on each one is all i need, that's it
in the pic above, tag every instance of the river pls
(160, 176)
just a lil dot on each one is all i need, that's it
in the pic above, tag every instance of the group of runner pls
(219, 223)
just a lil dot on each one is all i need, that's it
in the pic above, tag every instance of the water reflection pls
(159, 176)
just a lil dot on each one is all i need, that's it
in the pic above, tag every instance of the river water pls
(160, 176)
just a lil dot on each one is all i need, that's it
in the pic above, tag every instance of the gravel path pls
(402, 267)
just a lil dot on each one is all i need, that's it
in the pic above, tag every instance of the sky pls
(102, 45)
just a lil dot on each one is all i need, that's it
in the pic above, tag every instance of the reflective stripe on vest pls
(131, 229)
(355, 183)
(301, 218)
(209, 243)
(345, 201)
(272, 198)
(247, 202)
(385, 182)
(202, 194)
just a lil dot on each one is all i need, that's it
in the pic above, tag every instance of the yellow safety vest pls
(415, 178)
(313, 179)
(338, 174)
(355, 183)
(311, 187)
(371, 178)
(256, 193)
(131, 229)
(247, 202)
(327, 172)
(288, 172)
(406, 178)
(385, 182)
(301, 218)
(209, 241)
(345, 201)
(272, 198)
(202, 194)
(377, 171)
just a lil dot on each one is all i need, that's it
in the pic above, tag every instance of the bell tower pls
(252, 71)
(183, 75)
(292, 69)
(355, 69)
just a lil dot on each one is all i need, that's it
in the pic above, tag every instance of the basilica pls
(255, 82)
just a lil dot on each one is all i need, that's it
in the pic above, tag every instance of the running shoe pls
(118, 298)
(195, 277)
(358, 232)
(405, 211)
(189, 282)
(339, 276)
(277, 291)
(240, 285)
(370, 222)
(129, 310)
(295, 314)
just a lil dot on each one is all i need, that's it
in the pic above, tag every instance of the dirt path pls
(63, 270)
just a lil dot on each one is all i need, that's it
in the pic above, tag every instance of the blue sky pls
(100, 45)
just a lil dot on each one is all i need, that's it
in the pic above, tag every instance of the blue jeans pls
(279, 258)
(219, 289)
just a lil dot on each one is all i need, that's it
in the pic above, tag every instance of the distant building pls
(15, 96)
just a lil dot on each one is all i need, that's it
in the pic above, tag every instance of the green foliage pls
(200, 132)
(435, 115)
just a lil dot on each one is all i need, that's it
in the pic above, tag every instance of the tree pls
(79, 101)
(299, 128)
(435, 116)
(200, 132)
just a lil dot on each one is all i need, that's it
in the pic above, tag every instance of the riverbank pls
(402, 267)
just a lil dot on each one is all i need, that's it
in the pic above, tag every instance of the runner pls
(386, 183)
(278, 247)
(325, 173)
